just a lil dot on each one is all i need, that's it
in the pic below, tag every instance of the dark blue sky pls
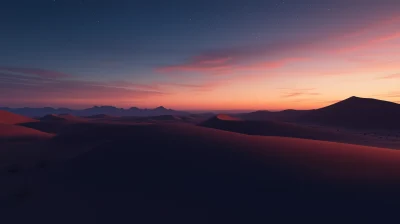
(130, 41)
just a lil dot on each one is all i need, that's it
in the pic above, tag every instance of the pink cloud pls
(225, 65)
(364, 44)
(269, 64)
(226, 61)
(131, 85)
(376, 24)
(36, 71)
(202, 59)
(18, 88)
(300, 92)
(277, 54)
(392, 76)
(391, 94)
(196, 87)
(201, 63)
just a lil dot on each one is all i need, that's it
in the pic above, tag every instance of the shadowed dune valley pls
(199, 112)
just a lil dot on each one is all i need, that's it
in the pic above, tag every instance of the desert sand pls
(169, 170)
(14, 132)
(188, 174)
(10, 118)
(283, 129)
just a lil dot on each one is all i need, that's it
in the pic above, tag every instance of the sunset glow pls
(270, 55)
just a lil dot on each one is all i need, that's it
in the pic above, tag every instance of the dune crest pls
(225, 117)
(9, 132)
(11, 118)
(283, 129)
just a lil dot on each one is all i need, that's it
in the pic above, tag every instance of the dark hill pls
(356, 112)
(264, 115)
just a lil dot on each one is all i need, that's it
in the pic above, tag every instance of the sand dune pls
(285, 115)
(356, 112)
(53, 123)
(14, 132)
(276, 128)
(10, 118)
(200, 175)
(225, 117)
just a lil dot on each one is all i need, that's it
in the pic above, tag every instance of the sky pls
(198, 55)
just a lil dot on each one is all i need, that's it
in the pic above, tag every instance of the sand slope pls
(14, 132)
(189, 174)
(276, 128)
(53, 123)
(10, 118)
(285, 115)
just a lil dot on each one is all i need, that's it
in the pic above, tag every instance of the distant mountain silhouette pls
(99, 116)
(52, 117)
(162, 118)
(62, 117)
(356, 112)
(264, 115)
(106, 110)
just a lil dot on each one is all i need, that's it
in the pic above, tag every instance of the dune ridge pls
(15, 132)
(11, 118)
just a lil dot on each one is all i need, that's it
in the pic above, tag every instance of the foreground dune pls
(188, 174)
(10, 118)
(14, 132)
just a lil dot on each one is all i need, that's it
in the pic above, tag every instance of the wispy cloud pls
(373, 25)
(200, 63)
(390, 94)
(36, 72)
(392, 76)
(129, 85)
(274, 53)
(22, 88)
(225, 65)
(364, 44)
(289, 93)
